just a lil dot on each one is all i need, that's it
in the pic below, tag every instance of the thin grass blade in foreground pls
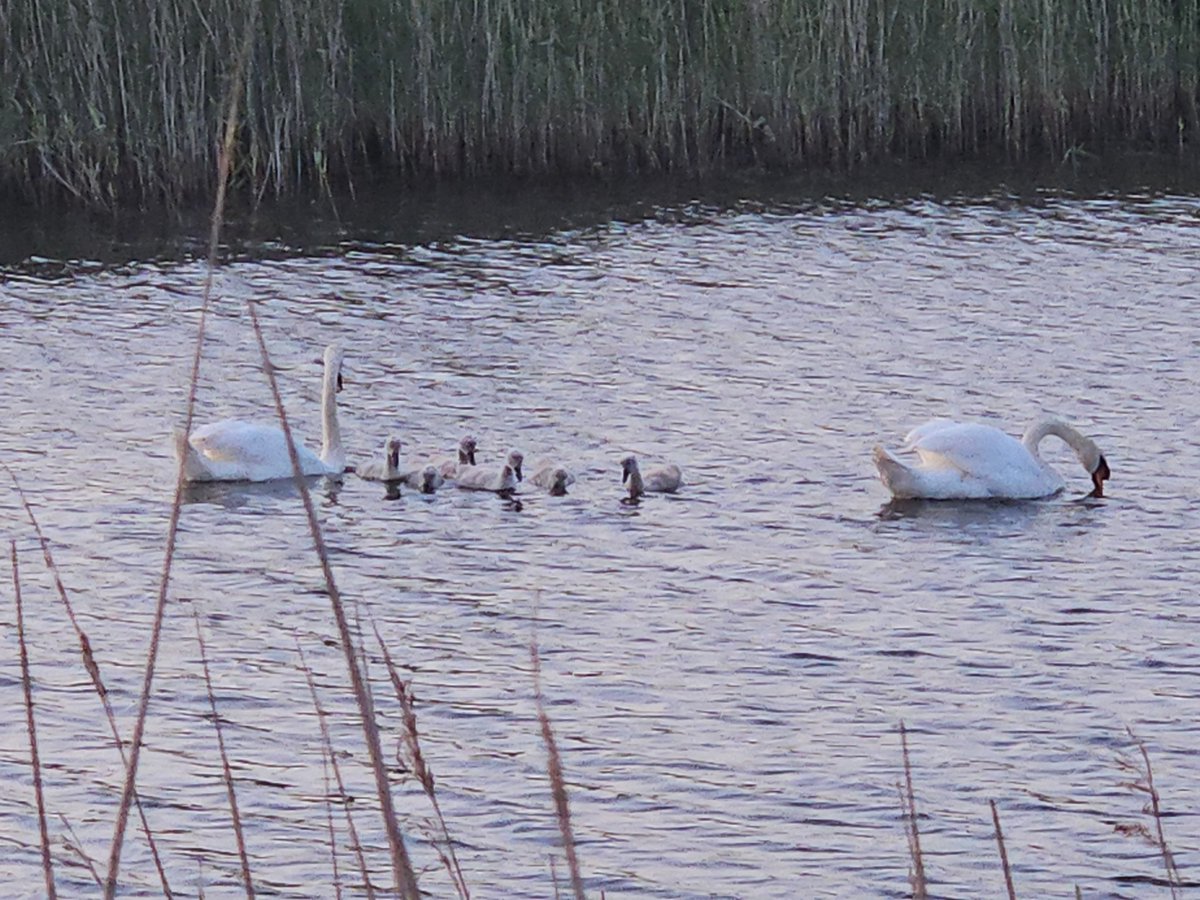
(402, 870)
(558, 783)
(93, 670)
(1145, 784)
(27, 684)
(225, 769)
(908, 808)
(218, 218)
(417, 762)
(330, 761)
(1008, 881)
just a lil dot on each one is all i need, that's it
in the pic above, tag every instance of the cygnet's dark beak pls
(624, 474)
(517, 471)
(471, 456)
(339, 382)
(1099, 476)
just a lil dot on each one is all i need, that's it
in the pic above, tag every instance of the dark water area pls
(725, 668)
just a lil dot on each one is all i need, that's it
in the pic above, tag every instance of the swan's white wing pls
(260, 450)
(975, 449)
(923, 431)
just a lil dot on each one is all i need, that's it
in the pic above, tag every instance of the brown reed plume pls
(908, 809)
(1143, 782)
(1008, 881)
(93, 670)
(329, 761)
(226, 771)
(218, 219)
(558, 783)
(420, 768)
(402, 870)
(35, 759)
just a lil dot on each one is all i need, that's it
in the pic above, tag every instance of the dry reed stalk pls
(76, 846)
(93, 670)
(908, 808)
(402, 870)
(558, 784)
(329, 760)
(35, 759)
(218, 218)
(226, 770)
(1008, 881)
(1144, 783)
(416, 761)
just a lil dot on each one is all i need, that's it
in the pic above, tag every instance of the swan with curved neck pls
(426, 479)
(970, 461)
(448, 468)
(386, 469)
(553, 479)
(479, 478)
(236, 450)
(662, 480)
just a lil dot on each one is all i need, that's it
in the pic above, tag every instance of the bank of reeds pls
(110, 102)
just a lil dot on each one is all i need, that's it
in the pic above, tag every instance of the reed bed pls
(117, 102)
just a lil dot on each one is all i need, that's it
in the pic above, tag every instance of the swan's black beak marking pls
(1099, 476)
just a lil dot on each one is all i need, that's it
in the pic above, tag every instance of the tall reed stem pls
(35, 759)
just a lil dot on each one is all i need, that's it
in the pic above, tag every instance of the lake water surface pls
(726, 668)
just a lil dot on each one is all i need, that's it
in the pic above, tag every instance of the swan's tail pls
(193, 468)
(896, 476)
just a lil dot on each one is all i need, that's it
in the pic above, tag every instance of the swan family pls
(237, 450)
(953, 460)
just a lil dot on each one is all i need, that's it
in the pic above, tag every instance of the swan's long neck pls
(1084, 447)
(332, 453)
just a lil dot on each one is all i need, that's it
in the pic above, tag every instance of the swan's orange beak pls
(1099, 476)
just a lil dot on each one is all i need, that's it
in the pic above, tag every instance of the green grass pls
(113, 101)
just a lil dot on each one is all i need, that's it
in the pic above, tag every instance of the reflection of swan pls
(552, 478)
(477, 479)
(427, 479)
(968, 461)
(663, 480)
(234, 450)
(448, 468)
(480, 478)
(386, 469)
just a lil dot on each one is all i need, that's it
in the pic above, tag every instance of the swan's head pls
(431, 480)
(628, 467)
(466, 450)
(333, 364)
(1100, 474)
(515, 459)
(393, 452)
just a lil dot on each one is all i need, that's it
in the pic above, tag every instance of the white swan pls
(663, 480)
(386, 469)
(969, 461)
(235, 450)
(426, 479)
(552, 478)
(448, 468)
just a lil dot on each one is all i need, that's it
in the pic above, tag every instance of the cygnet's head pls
(431, 479)
(466, 450)
(628, 467)
(559, 487)
(393, 452)
(515, 459)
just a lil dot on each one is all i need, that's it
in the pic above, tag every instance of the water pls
(725, 669)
